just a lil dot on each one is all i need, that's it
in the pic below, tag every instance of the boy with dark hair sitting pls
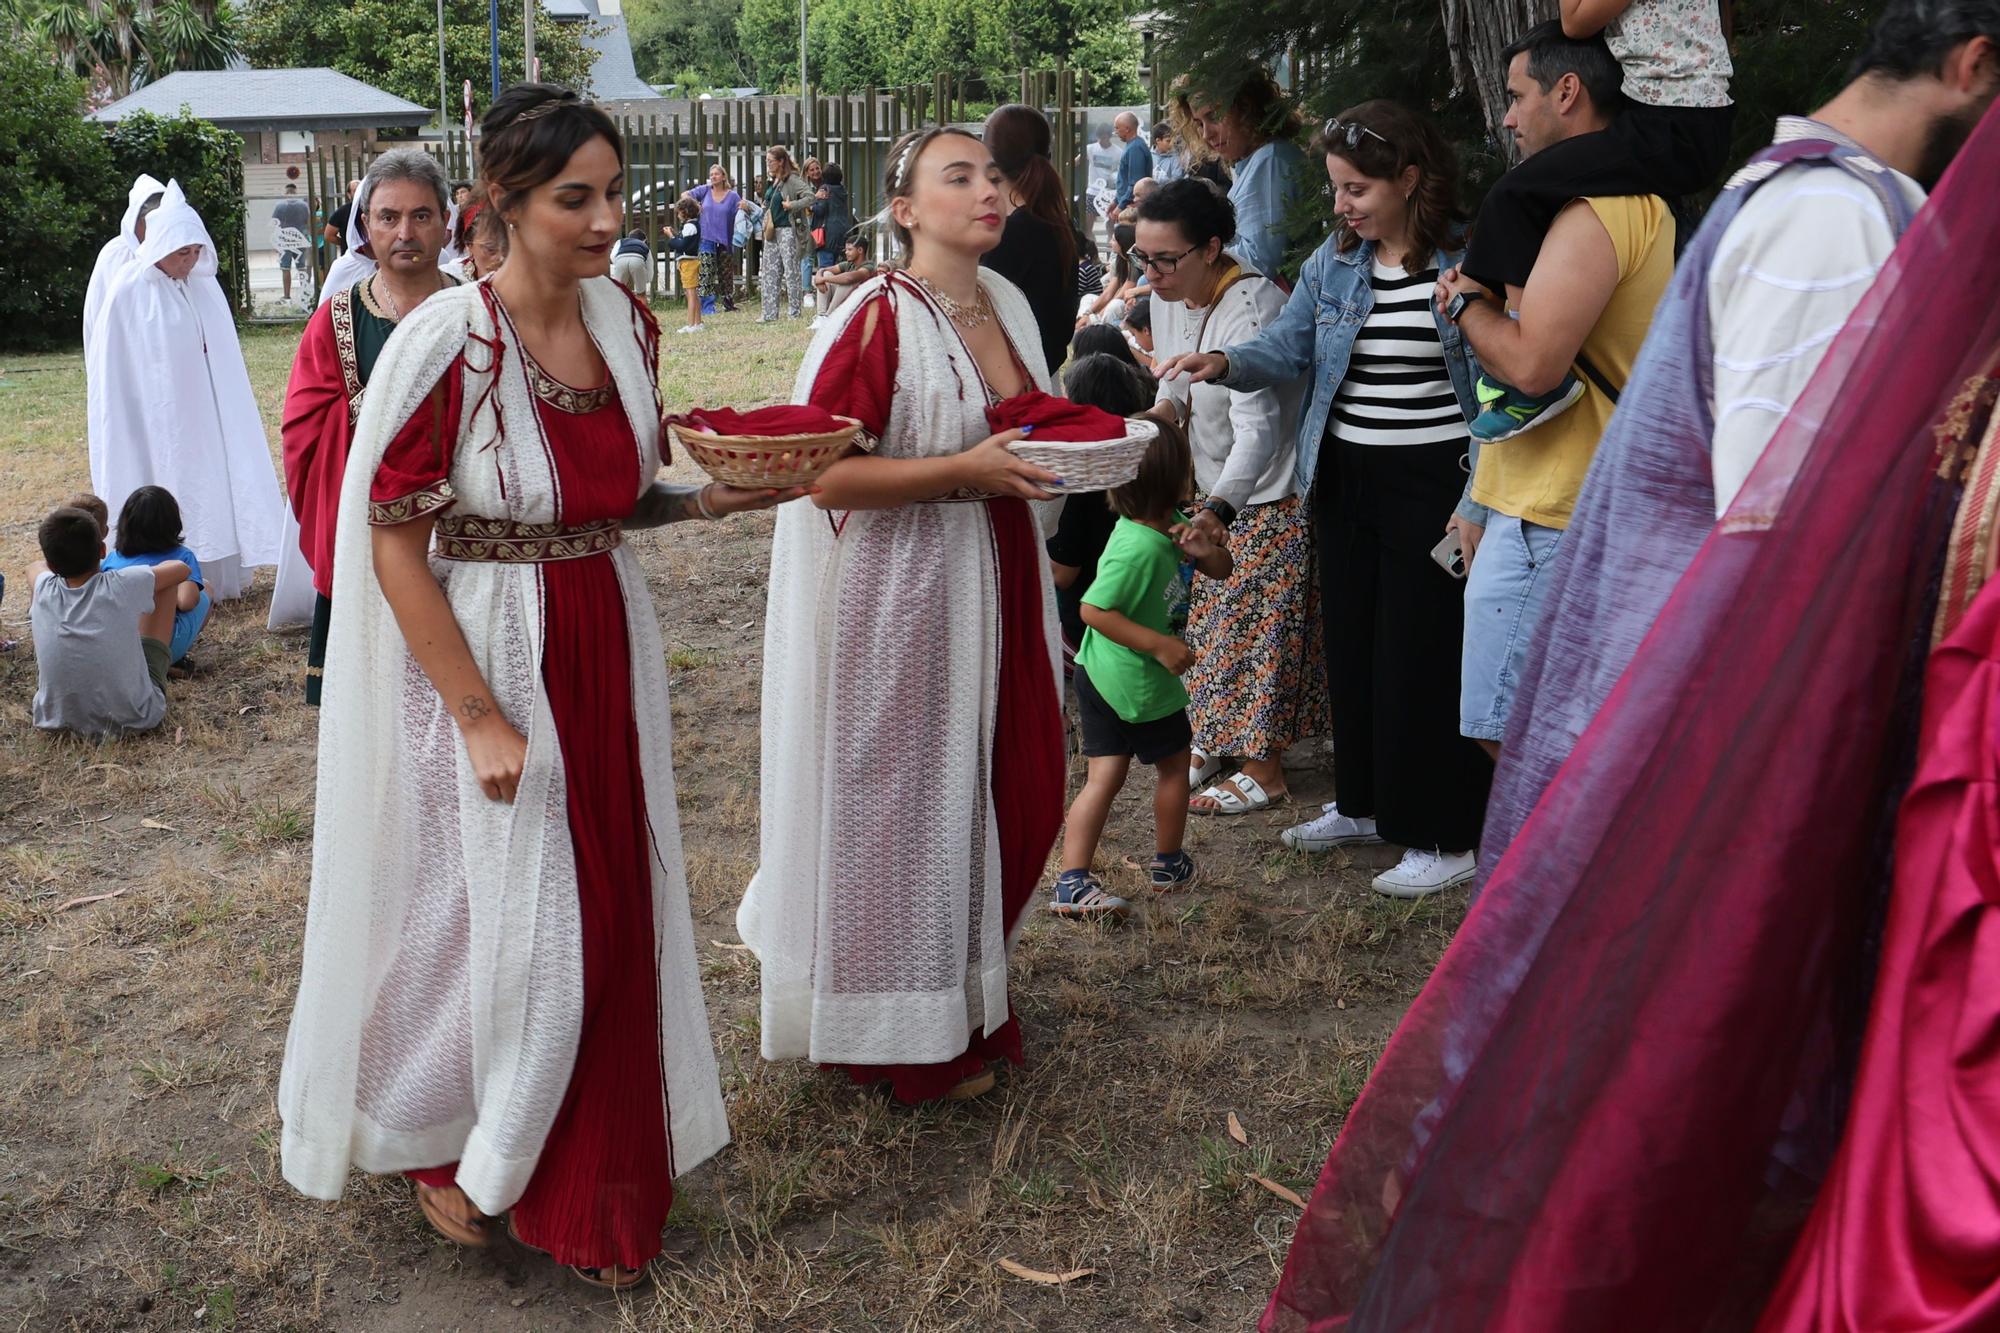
(100, 635)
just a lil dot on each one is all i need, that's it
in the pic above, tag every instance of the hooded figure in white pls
(171, 404)
(117, 255)
(355, 263)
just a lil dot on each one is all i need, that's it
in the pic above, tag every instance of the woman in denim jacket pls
(1384, 453)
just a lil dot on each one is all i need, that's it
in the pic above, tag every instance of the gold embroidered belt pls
(508, 542)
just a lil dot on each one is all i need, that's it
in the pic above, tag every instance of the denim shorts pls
(1504, 595)
(187, 624)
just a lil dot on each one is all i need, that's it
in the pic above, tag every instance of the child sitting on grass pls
(100, 635)
(95, 507)
(149, 534)
(1130, 700)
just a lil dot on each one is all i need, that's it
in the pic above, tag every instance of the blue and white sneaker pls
(1508, 412)
(1173, 872)
(1079, 894)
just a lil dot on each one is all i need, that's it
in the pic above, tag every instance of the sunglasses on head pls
(1349, 132)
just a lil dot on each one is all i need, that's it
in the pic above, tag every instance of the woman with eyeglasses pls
(1258, 685)
(1253, 129)
(1384, 453)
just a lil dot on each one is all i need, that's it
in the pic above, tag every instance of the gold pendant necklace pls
(958, 313)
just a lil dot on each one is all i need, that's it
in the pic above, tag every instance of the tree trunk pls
(1477, 31)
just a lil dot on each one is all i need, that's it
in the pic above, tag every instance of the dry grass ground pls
(141, 1033)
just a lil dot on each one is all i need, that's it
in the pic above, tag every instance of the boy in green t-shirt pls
(1130, 700)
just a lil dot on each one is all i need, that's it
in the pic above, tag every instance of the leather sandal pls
(611, 1278)
(472, 1235)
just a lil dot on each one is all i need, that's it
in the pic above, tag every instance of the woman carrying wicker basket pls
(499, 993)
(913, 764)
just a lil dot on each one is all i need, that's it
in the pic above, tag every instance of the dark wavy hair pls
(521, 145)
(1394, 139)
(1023, 145)
(150, 522)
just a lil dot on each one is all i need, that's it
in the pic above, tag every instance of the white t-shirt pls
(1104, 161)
(1790, 269)
(1673, 52)
(93, 671)
(1243, 442)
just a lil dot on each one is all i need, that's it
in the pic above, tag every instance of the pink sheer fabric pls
(1906, 1235)
(1607, 1115)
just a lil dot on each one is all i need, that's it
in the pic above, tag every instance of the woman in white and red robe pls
(500, 994)
(913, 765)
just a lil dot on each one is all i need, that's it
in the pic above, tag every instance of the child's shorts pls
(690, 273)
(157, 662)
(1106, 734)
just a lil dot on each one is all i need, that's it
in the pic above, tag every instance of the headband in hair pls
(540, 109)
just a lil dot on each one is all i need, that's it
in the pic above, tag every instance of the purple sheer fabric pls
(1574, 1128)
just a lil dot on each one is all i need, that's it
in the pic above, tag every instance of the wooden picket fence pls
(668, 154)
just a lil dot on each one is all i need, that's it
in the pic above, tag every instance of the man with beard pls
(1784, 258)
(403, 206)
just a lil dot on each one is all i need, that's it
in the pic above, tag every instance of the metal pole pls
(493, 40)
(805, 108)
(528, 40)
(444, 98)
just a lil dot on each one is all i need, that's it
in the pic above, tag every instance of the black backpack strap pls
(1597, 377)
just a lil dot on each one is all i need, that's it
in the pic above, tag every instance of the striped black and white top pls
(1397, 390)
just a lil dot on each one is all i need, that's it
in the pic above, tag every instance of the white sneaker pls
(1332, 829)
(819, 322)
(1422, 872)
(691, 328)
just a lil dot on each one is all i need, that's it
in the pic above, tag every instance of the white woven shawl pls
(875, 911)
(441, 996)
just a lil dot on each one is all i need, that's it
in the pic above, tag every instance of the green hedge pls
(62, 193)
(53, 198)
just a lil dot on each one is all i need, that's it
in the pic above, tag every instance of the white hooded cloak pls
(171, 405)
(353, 265)
(116, 256)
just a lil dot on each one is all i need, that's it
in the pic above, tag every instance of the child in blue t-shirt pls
(149, 533)
(1129, 697)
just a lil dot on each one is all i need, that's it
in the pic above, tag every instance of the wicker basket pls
(1090, 465)
(763, 462)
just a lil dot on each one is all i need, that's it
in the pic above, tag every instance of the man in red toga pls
(408, 202)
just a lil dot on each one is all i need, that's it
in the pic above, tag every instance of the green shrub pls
(208, 163)
(54, 194)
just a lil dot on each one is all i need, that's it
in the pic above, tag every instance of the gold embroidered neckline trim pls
(563, 397)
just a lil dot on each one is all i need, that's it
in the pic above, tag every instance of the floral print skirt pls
(1258, 685)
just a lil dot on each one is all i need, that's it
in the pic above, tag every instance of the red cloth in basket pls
(1055, 419)
(781, 420)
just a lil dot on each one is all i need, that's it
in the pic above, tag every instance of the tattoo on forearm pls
(664, 502)
(473, 708)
